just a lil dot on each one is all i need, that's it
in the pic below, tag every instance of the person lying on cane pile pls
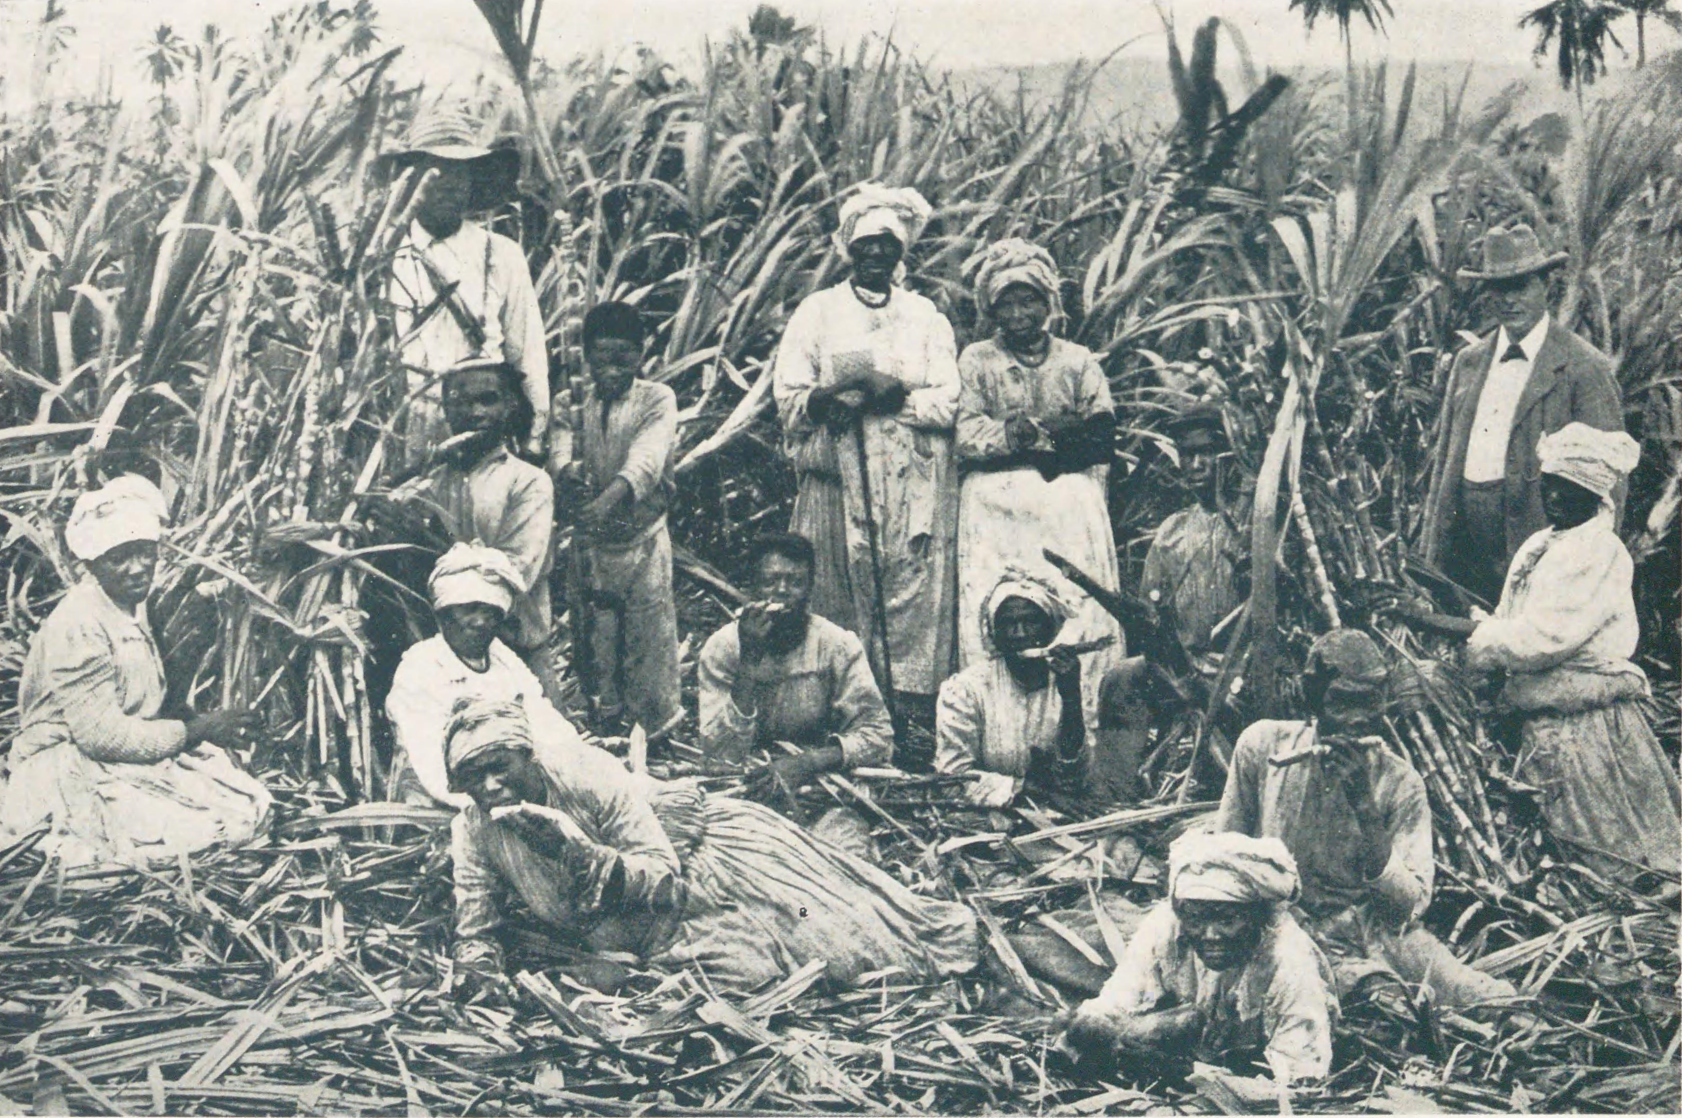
(1354, 815)
(1017, 718)
(866, 383)
(779, 674)
(93, 759)
(628, 442)
(677, 878)
(1035, 436)
(1219, 971)
(1563, 633)
(482, 493)
(472, 588)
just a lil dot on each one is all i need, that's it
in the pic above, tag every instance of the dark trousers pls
(1477, 554)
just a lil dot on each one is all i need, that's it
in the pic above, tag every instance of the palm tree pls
(1654, 9)
(1345, 11)
(1577, 31)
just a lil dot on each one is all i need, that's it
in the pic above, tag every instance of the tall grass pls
(216, 315)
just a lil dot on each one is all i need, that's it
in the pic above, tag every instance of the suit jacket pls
(1570, 381)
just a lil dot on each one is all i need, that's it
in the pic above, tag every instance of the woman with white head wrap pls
(866, 382)
(683, 880)
(1015, 718)
(1220, 970)
(1564, 631)
(472, 588)
(116, 782)
(1035, 433)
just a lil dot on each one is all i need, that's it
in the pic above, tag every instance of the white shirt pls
(495, 285)
(1492, 426)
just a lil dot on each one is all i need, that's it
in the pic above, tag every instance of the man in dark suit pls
(1529, 378)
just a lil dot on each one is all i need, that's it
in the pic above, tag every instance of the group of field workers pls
(947, 596)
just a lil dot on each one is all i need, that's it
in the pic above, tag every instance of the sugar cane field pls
(194, 285)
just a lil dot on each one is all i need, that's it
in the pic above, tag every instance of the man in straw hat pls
(1529, 378)
(460, 291)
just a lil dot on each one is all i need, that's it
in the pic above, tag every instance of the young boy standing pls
(626, 448)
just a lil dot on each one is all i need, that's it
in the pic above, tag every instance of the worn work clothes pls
(1569, 381)
(430, 680)
(1281, 1003)
(635, 438)
(1192, 567)
(93, 756)
(509, 504)
(912, 483)
(1365, 926)
(636, 629)
(1492, 422)
(822, 689)
(1009, 514)
(988, 723)
(1564, 631)
(727, 887)
(494, 283)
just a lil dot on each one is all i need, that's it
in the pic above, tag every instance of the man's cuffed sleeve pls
(1403, 887)
(476, 883)
(1240, 808)
(528, 527)
(524, 343)
(652, 443)
(866, 732)
(725, 730)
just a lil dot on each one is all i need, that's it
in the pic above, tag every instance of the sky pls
(450, 34)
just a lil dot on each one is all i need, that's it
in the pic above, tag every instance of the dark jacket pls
(1570, 381)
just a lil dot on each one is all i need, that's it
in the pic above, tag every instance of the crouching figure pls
(1220, 971)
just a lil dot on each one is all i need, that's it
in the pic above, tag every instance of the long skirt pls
(765, 898)
(1605, 782)
(1009, 518)
(133, 814)
(916, 581)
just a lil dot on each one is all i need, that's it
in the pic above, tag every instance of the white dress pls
(912, 482)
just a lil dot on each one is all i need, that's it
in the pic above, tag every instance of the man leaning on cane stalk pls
(1529, 378)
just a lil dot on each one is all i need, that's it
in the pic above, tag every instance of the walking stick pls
(881, 626)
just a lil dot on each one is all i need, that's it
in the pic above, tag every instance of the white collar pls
(1532, 343)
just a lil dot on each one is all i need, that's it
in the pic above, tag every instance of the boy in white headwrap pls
(866, 382)
(93, 759)
(1563, 633)
(473, 587)
(1220, 970)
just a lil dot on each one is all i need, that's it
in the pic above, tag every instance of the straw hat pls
(1510, 253)
(448, 131)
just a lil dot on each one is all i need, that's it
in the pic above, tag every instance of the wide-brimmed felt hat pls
(1510, 253)
(449, 132)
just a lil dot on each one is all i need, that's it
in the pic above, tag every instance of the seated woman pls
(1016, 718)
(92, 756)
(1563, 633)
(1219, 971)
(667, 873)
(472, 589)
(777, 673)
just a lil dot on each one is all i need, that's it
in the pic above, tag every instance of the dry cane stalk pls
(1490, 856)
(1316, 565)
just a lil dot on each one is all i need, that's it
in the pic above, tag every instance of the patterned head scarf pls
(126, 509)
(1231, 866)
(874, 208)
(1015, 260)
(479, 725)
(474, 573)
(1596, 460)
(1018, 583)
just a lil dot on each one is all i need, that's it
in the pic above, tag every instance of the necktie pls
(1515, 352)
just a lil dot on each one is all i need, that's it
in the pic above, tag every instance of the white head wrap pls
(128, 508)
(1596, 460)
(1011, 261)
(1018, 583)
(875, 208)
(474, 573)
(1231, 866)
